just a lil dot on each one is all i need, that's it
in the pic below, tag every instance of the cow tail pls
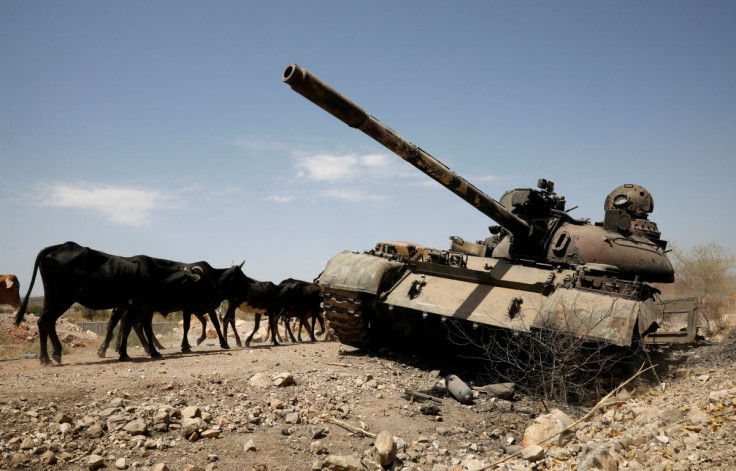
(24, 306)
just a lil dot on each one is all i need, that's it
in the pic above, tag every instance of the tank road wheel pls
(345, 316)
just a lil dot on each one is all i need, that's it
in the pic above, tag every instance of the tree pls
(707, 271)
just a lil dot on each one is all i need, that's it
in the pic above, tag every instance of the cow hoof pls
(199, 341)
(156, 355)
(124, 358)
(45, 361)
(186, 350)
(240, 345)
(56, 358)
(101, 353)
(225, 346)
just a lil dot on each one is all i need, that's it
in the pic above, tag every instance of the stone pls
(191, 412)
(501, 390)
(318, 431)
(190, 427)
(342, 463)
(65, 428)
(696, 416)
(136, 427)
(211, 433)
(95, 431)
(160, 467)
(121, 463)
(95, 462)
(671, 416)
(284, 379)
(292, 418)
(546, 426)
(48, 457)
(261, 381)
(249, 446)
(27, 443)
(62, 419)
(533, 453)
(318, 448)
(385, 448)
(599, 458)
(192, 467)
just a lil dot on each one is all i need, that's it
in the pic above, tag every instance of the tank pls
(539, 268)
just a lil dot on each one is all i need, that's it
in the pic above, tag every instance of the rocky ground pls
(326, 406)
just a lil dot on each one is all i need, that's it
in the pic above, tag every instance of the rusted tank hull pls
(363, 291)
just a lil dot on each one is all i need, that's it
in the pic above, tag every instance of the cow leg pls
(145, 342)
(43, 336)
(255, 329)
(155, 341)
(203, 321)
(316, 317)
(47, 331)
(286, 316)
(117, 313)
(235, 331)
(148, 330)
(185, 347)
(229, 318)
(273, 322)
(130, 317)
(216, 324)
(304, 322)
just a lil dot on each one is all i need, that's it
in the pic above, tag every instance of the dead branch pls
(412, 394)
(351, 428)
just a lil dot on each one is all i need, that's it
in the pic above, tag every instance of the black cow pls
(141, 284)
(204, 298)
(258, 295)
(290, 298)
(300, 300)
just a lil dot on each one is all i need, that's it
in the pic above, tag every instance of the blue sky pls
(163, 128)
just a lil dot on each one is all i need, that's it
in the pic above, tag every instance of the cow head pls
(10, 291)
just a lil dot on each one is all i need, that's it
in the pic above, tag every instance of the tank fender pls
(359, 272)
(596, 316)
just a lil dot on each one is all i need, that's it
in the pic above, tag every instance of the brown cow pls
(9, 290)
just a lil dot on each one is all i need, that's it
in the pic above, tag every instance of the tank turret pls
(536, 226)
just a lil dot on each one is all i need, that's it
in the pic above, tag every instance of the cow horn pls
(8, 283)
(197, 268)
(241, 264)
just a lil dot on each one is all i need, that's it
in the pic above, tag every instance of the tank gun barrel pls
(318, 92)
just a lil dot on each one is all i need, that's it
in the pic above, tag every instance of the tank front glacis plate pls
(358, 272)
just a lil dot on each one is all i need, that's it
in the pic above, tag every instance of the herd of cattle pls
(136, 287)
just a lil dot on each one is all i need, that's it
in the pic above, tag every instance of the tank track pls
(344, 314)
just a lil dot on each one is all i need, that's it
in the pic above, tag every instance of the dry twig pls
(351, 428)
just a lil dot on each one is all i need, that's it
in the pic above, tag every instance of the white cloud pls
(327, 167)
(376, 160)
(280, 198)
(353, 195)
(122, 205)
